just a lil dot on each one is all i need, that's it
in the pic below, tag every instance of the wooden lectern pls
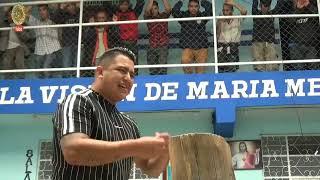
(200, 157)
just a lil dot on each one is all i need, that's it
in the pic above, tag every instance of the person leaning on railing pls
(263, 37)
(47, 48)
(228, 35)
(129, 33)
(98, 39)
(15, 47)
(193, 36)
(157, 53)
(304, 35)
(67, 13)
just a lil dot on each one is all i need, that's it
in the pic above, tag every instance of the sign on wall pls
(222, 92)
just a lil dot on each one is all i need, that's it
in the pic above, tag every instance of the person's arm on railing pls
(243, 10)
(255, 7)
(167, 7)
(147, 11)
(207, 7)
(311, 6)
(58, 13)
(30, 19)
(176, 10)
(277, 9)
(139, 7)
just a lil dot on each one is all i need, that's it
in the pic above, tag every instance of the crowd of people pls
(57, 47)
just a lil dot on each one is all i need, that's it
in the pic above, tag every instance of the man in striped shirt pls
(93, 140)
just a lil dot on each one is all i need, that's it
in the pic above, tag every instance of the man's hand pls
(229, 2)
(302, 3)
(91, 19)
(153, 146)
(114, 17)
(63, 6)
(156, 154)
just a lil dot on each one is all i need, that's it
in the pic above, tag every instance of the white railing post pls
(79, 39)
(215, 39)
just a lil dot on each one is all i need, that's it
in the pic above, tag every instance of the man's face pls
(124, 6)
(101, 17)
(118, 78)
(43, 11)
(264, 8)
(71, 8)
(193, 8)
(155, 10)
(242, 147)
(227, 10)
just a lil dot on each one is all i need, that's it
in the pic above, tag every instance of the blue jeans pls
(49, 61)
(157, 56)
(69, 59)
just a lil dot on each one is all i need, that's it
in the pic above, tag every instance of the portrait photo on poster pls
(246, 154)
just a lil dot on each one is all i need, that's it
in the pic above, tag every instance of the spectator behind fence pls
(129, 33)
(98, 39)
(3, 46)
(263, 38)
(47, 48)
(159, 37)
(15, 47)
(68, 13)
(193, 36)
(304, 36)
(228, 35)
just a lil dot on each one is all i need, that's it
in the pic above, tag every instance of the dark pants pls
(302, 52)
(132, 46)
(14, 59)
(157, 56)
(52, 60)
(228, 52)
(69, 59)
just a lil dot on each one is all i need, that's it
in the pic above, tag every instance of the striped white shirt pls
(89, 113)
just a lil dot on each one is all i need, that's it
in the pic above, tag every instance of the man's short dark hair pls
(228, 5)
(43, 5)
(155, 3)
(122, 1)
(113, 53)
(196, 1)
(101, 10)
(266, 3)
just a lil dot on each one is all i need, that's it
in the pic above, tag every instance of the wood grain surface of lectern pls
(200, 157)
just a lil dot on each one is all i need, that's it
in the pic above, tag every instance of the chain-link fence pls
(285, 32)
(269, 35)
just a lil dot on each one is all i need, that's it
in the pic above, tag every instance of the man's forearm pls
(90, 152)
(243, 10)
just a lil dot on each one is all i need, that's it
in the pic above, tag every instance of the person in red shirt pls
(159, 36)
(129, 33)
(98, 39)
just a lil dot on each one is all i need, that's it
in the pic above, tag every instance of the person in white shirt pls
(14, 48)
(47, 41)
(228, 35)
